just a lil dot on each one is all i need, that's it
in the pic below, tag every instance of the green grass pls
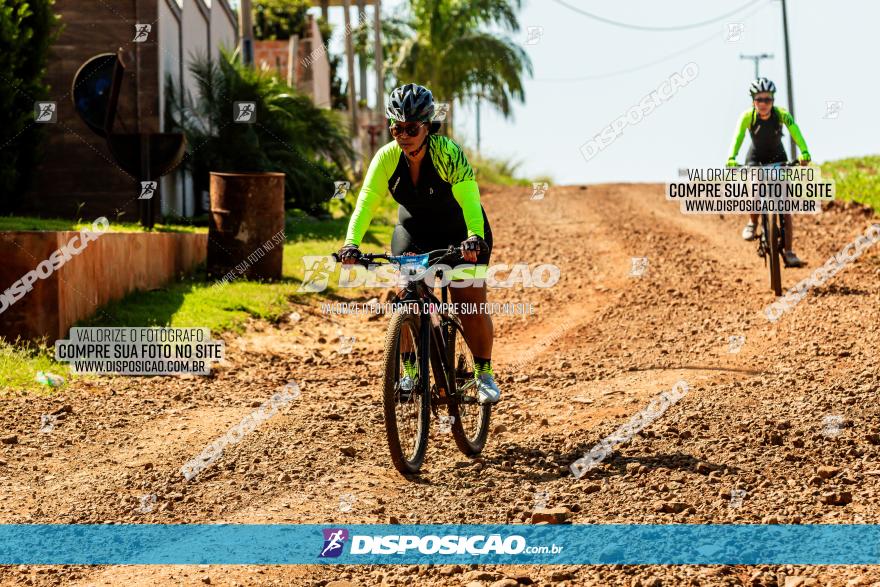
(33, 223)
(19, 364)
(856, 179)
(195, 301)
(226, 307)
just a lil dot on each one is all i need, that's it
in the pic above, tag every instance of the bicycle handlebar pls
(367, 259)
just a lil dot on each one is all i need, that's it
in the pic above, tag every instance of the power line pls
(654, 29)
(700, 43)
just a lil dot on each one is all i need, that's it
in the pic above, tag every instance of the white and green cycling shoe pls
(487, 389)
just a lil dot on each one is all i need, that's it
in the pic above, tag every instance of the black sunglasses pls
(410, 129)
(763, 100)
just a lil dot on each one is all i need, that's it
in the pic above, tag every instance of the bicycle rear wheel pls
(469, 418)
(406, 412)
(775, 251)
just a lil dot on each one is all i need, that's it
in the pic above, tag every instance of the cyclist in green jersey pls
(430, 178)
(764, 123)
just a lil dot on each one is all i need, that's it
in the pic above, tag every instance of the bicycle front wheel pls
(405, 399)
(775, 246)
(469, 419)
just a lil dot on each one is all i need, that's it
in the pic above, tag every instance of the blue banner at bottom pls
(589, 544)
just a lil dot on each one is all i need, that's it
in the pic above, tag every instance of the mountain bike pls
(771, 242)
(425, 333)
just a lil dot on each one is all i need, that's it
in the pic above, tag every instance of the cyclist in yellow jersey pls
(430, 178)
(764, 123)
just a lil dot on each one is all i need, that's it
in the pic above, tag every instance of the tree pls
(451, 51)
(279, 19)
(310, 145)
(27, 30)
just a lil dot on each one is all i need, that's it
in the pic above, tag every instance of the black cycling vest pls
(429, 210)
(766, 138)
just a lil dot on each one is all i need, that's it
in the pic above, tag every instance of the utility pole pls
(349, 65)
(478, 125)
(757, 59)
(788, 71)
(246, 30)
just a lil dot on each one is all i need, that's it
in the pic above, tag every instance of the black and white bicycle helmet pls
(762, 84)
(411, 103)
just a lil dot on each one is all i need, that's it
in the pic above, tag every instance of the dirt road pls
(788, 420)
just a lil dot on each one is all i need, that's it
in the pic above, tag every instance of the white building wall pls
(224, 29)
(207, 25)
(195, 38)
(171, 186)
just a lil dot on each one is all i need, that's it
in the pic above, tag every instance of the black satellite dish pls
(147, 156)
(95, 92)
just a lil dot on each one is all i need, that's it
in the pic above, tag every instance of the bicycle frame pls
(763, 243)
(433, 336)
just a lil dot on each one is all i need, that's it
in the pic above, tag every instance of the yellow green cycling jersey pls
(766, 136)
(445, 202)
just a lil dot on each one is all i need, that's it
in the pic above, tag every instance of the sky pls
(833, 50)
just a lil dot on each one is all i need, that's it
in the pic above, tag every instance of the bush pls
(27, 29)
(308, 144)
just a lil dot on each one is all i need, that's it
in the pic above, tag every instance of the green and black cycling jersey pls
(443, 209)
(766, 137)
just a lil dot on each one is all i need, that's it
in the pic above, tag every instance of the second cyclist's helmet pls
(762, 84)
(411, 103)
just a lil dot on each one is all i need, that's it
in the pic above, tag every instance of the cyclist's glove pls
(805, 156)
(732, 162)
(349, 252)
(474, 243)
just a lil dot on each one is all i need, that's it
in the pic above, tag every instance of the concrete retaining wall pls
(106, 269)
